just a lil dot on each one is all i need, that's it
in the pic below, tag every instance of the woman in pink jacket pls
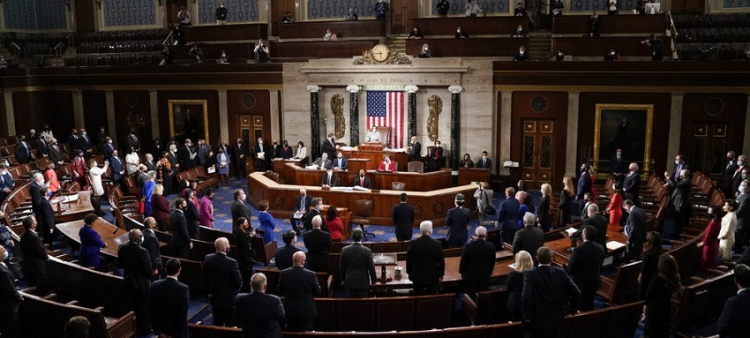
(207, 209)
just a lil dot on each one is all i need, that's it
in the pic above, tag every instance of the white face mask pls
(110, 141)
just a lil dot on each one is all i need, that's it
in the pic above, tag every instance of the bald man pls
(299, 286)
(223, 279)
(135, 261)
(477, 263)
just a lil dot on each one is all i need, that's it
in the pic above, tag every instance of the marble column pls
(275, 116)
(675, 127)
(353, 114)
(314, 121)
(412, 116)
(78, 108)
(223, 116)
(455, 125)
(745, 144)
(111, 121)
(506, 112)
(10, 117)
(153, 100)
(572, 139)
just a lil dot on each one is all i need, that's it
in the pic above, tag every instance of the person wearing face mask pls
(619, 166)
(85, 144)
(521, 54)
(242, 235)
(442, 8)
(679, 202)
(239, 152)
(223, 281)
(136, 264)
(728, 177)
(461, 34)
(362, 180)
(679, 165)
(595, 24)
(518, 32)
(560, 56)
(485, 162)
(381, 10)
(631, 183)
(55, 152)
(300, 153)
(10, 300)
(108, 148)
(386, 164)
(416, 33)
(34, 255)
(329, 146)
(285, 151)
(180, 245)
(373, 135)
(425, 53)
(328, 179)
(415, 149)
(316, 204)
(340, 163)
(6, 182)
(46, 218)
(222, 166)
(743, 216)
(117, 168)
(73, 140)
(221, 14)
(584, 186)
(737, 177)
(263, 155)
(239, 209)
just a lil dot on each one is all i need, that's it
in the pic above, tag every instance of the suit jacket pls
(323, 164)
(364, 182)
(6, 181)
(530, 239)
(585, 265)
(286, 153)
(34, 256)
(329, 148)
(304, 201)
(508, 214)
(484, 164)
(546, 292)
(284, 255)
(635, 229)
(239, 209)
(584, 184)
(9, 296)
(318, 245)
(180, 241)
(259, 314)
(193, 218)
(299, 286)
(542, 213)
(676, 173)
(356, 267)
(136, 263)
(46, 219)
(727, 179)
(23, 153)
(41, 147)
(223, 279)
(457, 220)
(631, 185)
(619, 166)
(244, 252)
(477, 261)
(743, 212)
(403, 218)
(184, 155)
(168, 307)
(343, 165)
(309, 215)
(268, 153)
(237, 150)
(600, 223)
(108, 148)
(733, 321)
(115, 165)
(73, 142)
(425, 263)
(334, 180)
(36, 197)
(54, 153)
(84, 143)
(680, 198)
(416, 151)
(151, 244)
(737, 180)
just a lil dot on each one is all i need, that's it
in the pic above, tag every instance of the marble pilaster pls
(506, 106)
(314, 121)
(746, 143)
(412, 110)
(455, 125)
(675, 126)
(275, 116)
(78, 119)
(109, 97)
(153, 100)
(10, 116)
(353, 114)
(572, 139)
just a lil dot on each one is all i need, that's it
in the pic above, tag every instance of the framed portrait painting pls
(188, 119)
(624, 127)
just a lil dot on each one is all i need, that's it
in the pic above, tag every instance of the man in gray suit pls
(635, 229)
(357, 268)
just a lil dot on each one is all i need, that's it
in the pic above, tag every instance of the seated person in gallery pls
(323, 162)
(560, 56)
(224, 59)
(329, 179)
(301, 151)
(416, 33)
(425, 53)
(261, 52)
(340, 162)
(373, 135)
(518, 32)
(521, 54)
(386, 164)
(613, 55)
(362, 180)
(595, 24)
(330, 36)
(287, 18)
(437, 151)
(351, 16)
(519, 10)
(461, 34)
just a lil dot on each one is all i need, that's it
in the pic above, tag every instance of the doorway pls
(402, 13)
(710, 148)
(538, 156)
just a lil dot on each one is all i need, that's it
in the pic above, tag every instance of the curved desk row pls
(378, 180)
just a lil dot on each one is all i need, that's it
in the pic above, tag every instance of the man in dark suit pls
(192, 216)
(457, 222)
(9, 301)
(73, 140)
(530, 238)
(35, 258)
(242, 236)
(596, 220)
(547, 290)
(186, 155)
(727, 179)
(180, 243)
(223, 281)
(168, 303)
(133, 141)
(136, 263)
(733, 321)
(631, 183)
(239, 209)
(329, 179)
(55, 152)
(329, 146)
(299, 286)
(679, 165)
(737, 178)
(340, 162)
(284, 254)
(324, 162)
(477, 263)
(484, 162)
(259, 314)
(679, 201)
(239, 152)
(116, 167)
(585, 268)
(151, 244)
(619, 166)
(263, 154)
(23, 151)
(743, 216)
(301, 205)
(425, 263)
(85, 144)
(6, 182)
(42, 148)
(415, 150)
(107, 148)
(37, 182)
(507, 215)
(318, 245)
(635, 230)
(46, 217)
(356, 267)
(362, 180)
(584, 185)
(314, 210)
(286, 152)
(403, 218)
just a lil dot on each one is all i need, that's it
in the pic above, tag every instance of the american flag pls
(386, 108)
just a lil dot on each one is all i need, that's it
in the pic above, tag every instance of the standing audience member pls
(147, 192)
(523, 263)
(50, 176)
(318, 245)
(239, 153)
(91, 243)
(221, 14)
(728, 228)
(243, 235)
(728, 176)
(530, 238)
(34, 263)
(558, 8)
(262, 54)
(95, 176)
(334, 224)
(284, 254)
(239, 209)
(548, 294)
(709, 245)
(584, 186)
(299, 286)
(657, 311)
(47, 218)
(403, 218)
(259, 314)
(522, 208)
(136, 263)
(458, 223)
(615, 204)
(168, 303)
(679, 202)
(542, 212)
(425, 53)
(585, 266)
(631, 184)
(595, 24)
(507, 216)
(10, 299)
(743, 213)
(461, 34)
(733, 321)
(151, 244)
(651, 252)
(207, 209)
(117, 170)
(566, 202)
(357, 268)
(477, 263)
(192, 216)
(180, 244)
(381, 10)
(425, 263)
(78, 165)
(635, 230)
(23, 151)
(222, 163)
(160, 208)
(596, 220)
(77, 327)
(223, 282)
(132, 161)
(483, 196)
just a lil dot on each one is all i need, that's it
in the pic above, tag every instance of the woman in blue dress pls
(267, 223)
(222, 166)
(91, 243)
(147, 191)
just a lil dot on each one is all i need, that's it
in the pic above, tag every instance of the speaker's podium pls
(377, 139)
(371, 146)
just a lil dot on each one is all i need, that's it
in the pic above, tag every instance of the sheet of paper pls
(613, 245)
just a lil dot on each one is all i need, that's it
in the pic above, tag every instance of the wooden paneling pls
(262, 107)
(402, 13)
(617, 24)
(133, 111)
(85, 15)
(3, 117)
(660, 138)
(320, 49)
(343, 29)
(467, 47)
(33, 109)
(212, 98)
(251, 32)
(626, 46)
(278, 9)
(212, 52)
(472, 26)
(94, 112)
(688, 6)
(557, 111)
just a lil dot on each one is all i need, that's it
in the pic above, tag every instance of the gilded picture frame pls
(625, 126)
(194, 127)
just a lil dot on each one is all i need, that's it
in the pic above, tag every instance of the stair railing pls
(673, 36)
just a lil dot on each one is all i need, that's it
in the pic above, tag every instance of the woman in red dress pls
(615, 205)
(333, 222)
(710, 244)
(79, 169)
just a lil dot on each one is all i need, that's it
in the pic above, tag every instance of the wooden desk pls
(626, 46)
(468, 47)
(279, 166)
(111, 234)
(212, 51)
(321, 49)
(230, 32)
(342, 29)
(72, 211)
(432, 205)
(376, 156)
(473, 175)
(379, 180)
(473, 26)
(560, 247)
(611, 24)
